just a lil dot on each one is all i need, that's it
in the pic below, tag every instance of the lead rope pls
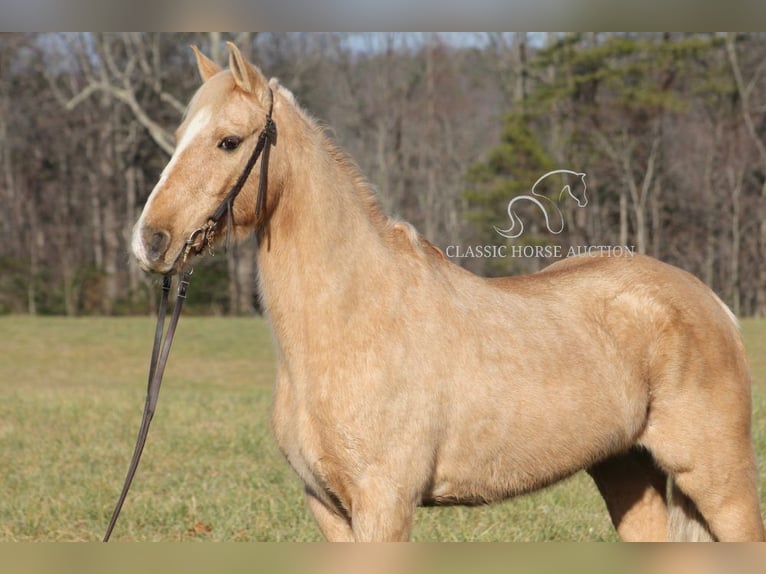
(161, 348)
(160, 353)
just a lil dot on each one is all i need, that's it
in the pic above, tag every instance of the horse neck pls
(326, 236)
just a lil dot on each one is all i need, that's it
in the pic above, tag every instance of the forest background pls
(669, 127)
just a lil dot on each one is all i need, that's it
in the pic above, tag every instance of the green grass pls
(71, 397)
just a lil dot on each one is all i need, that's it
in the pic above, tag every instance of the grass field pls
(71, 397)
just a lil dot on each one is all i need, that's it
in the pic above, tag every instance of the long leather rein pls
(195, 244)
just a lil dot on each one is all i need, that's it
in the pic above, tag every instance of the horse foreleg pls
(381, 514)
(334, 526)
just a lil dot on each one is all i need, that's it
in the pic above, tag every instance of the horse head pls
(213, 144)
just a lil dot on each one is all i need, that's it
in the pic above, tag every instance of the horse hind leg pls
(712, 463)
(718, 494)
(634, 488)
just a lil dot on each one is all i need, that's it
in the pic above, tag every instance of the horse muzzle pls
(151, 247)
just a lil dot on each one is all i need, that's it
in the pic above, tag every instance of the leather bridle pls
(195, 244)
(205, 233)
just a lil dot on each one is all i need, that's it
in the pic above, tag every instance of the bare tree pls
(120, 60)
(745, 89)
(640, 181)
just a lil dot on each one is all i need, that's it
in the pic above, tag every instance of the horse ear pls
(207, 67)
(247, 77)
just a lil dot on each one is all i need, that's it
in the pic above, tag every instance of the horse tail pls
(685, 523)
(729, 313)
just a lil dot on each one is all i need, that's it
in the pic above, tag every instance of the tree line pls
(669, 128)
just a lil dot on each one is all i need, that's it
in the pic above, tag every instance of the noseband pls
(195, 244)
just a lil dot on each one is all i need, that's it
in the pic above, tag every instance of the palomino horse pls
(404, 380)
(540, 200)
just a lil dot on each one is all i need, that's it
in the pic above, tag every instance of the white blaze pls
(196, 126)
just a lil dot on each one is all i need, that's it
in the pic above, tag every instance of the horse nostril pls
(157, 242)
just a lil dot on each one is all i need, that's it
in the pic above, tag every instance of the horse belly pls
(497, 449)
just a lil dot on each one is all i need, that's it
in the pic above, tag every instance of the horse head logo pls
(574, 187)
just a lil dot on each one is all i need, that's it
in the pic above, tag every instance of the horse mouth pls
(170, 269)
(159, 267)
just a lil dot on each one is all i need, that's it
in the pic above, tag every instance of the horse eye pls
(230, 143)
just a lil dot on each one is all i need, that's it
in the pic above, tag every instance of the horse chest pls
(308, 442)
